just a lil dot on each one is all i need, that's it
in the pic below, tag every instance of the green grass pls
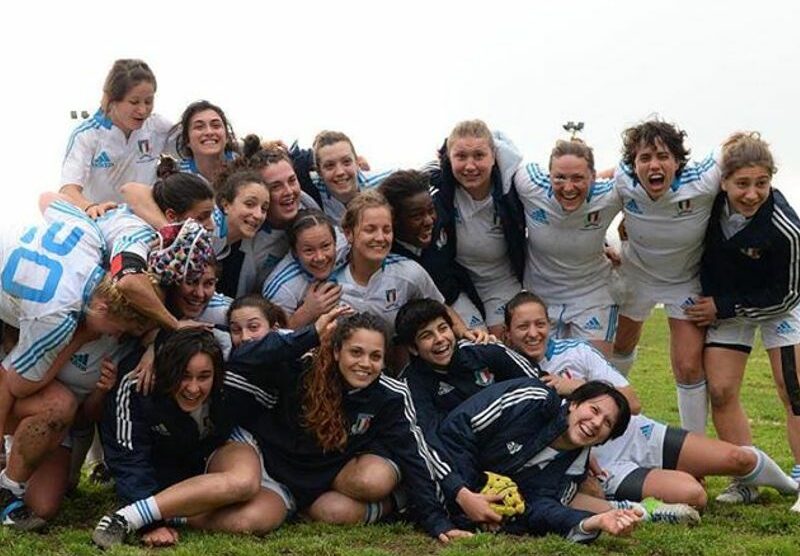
(764, 528)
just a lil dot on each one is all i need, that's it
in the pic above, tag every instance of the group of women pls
(264, 332)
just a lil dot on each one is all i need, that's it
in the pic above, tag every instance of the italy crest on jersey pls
(144, 150)
(391, 297)
(592, 220)
(751, 252)
(684, 207)
(361, 424)
(484, 377)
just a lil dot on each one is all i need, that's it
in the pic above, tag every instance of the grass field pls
(764, 528)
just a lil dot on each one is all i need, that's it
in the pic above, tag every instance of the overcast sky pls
(397, 76)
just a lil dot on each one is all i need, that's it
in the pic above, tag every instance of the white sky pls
(397, 76)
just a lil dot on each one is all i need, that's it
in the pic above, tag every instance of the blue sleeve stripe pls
(538, 177)
(85, 126)
(27, 360)
(74, 212)
(285, 276)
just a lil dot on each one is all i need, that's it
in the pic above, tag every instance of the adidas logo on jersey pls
(80, 360)
(161, 429)
(475, 321)
(647, 430)
(484, 377)
(513, 447)
(632, 207)
(688, 302)
(593, 324)
(784, 328)
(539, 216)
(444, 389)
(102, 160)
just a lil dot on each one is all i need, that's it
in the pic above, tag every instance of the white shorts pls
(495, 294)
(586, 323)
(642, 445)
(241, 435)
(640, 298)
(466, 309)
(782, 330)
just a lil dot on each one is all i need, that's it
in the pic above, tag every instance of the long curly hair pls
(323, 385)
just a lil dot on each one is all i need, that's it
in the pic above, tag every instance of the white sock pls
(623, 361)
(374, 512)
(17, 489)
(141, 513)
(768, 473)
(796, 472)
(693, 406)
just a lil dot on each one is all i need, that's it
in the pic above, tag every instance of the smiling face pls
(191, 298)
(529, 330)
(747, 189)
(196, 384)
(472, 160)
(571, 179)
(372, 237)
(316, 250)
(207, 134)
(248, 210)
(360, 358)
(435, 343)
(135, 107)
(248, 324)
(415, 220)
(656, 168)
(591, 422)
(337, 167)
(284, 193)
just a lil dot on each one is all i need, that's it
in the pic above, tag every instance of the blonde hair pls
(744, 149)
(471, 128)
(361, 202)
(327, 138)
(118, 307)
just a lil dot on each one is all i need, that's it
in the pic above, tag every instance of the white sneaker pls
(737, 493)
(796, 507)
(675, 514)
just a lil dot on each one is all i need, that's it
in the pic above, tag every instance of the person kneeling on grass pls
(173, 455)
(520, 428)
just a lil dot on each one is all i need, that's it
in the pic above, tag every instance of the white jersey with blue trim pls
(579, 359)
(398, 281)
(216, 312)
(81, 373)
(665, 237)
(332, 206)
(287, 285)
(565, 261)
(122, 230)
(189, 165)
(100, 158)
(48, 275)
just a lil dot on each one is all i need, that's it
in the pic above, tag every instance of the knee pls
(45, 507)
(741, 460)
(689, 368)
(242, 487)
(722, 395)
(336, 509)
(257, 521)
(696, 495)
(374, 483)
(60, 406)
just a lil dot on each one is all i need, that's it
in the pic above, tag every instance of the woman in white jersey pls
(299, 284)
(120, 143)
(373, 280)
(481, 212)
(567, 212)
(650, 459)
(206, 141)
(667, 202)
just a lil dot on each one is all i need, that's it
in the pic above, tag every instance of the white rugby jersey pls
(332, 206)
(122, 231)
(216, 312)
(398, 281)
(665, 237)
(564, 262)
(481, 245)
(48, 275)
(287, 285)
(578, 359)
(81, 373)
(101, 159)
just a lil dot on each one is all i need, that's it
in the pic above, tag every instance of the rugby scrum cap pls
(183, 252)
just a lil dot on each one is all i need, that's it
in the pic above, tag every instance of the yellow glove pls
(513, 504)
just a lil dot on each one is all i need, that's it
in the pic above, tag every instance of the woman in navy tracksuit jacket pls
(521, 429)
(507, 211)
(332, 419)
